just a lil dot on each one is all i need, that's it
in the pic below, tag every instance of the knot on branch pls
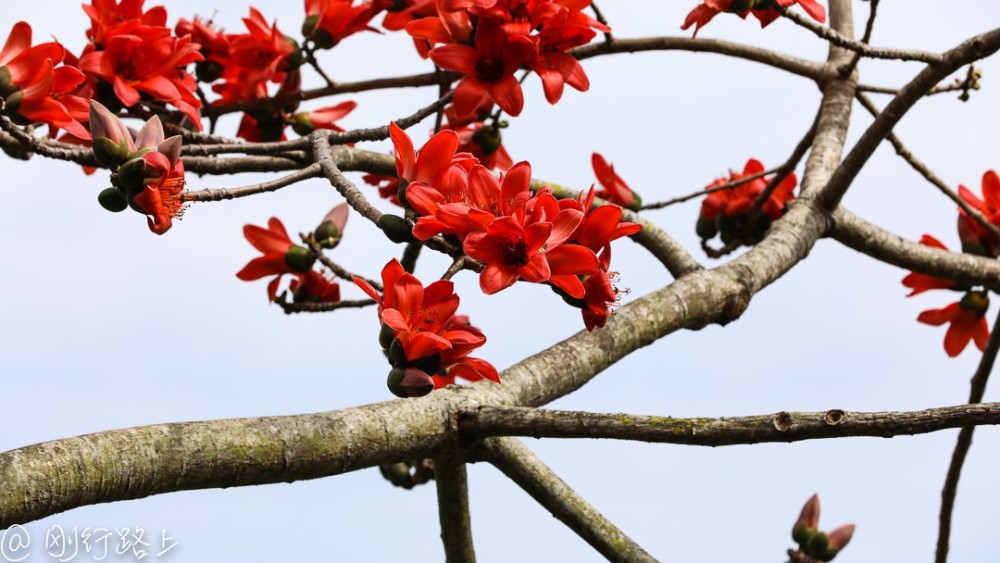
(834, 417)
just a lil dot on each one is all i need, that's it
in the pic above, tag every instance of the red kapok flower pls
(615, 190)
(33, 87)
(280, 255)
(920, 283)
(314, 287)
(488, 67)
(975, 238)
(322, 118)
(763, 10)
(966, 322)
(421, 332)
(330, 21)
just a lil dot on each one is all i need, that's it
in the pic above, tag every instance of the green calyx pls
(300, 259)
(977, 301)
(110, 153)
(112, 199)
(396, 228)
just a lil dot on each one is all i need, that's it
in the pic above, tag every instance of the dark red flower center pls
(513, 251)
(489, 69)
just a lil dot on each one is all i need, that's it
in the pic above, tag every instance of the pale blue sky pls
(106, 325)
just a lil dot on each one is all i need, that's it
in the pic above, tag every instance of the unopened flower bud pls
(112, 200)
(810, 513)
(301, 124)
(705, 228)
(397, 356)
(840, 537)
(636, 204)
(331, 229)
(309, 25)
(409, 382)
(395, 228)
(817, 545)
(299, 259)
(131, 175)
(385, 336)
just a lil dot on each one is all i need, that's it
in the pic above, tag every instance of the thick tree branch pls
(523, 467)
(453, 510)
(977, 388)
(854, 232)
(487, 421)
(928, 174)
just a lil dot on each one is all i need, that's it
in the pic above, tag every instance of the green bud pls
(309, 25)
(397, 356)
(322, 39)
(5, 83)
(112, 200)
(110, 153)
(208, 71)
(398, 474)
(801, 533)
(394, 382)
(817, 545)
(328, 235)
(301, 124)
(295, 59)
(977, 301)
(13, 101)
(401, 191)
(300, 259)
(636, 202)
(395, 228)
(131, 175)
(705, 228)
(385, 336)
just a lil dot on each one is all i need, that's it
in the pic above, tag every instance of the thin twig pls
(977, 388)
(487, 421)
(928, 174)
(865, 39)
(380, 133)
(600, 17)
(336, 269)
(706, 191)
(456, 266)
(410, 255)
(220, 194)
(523, 467)
(290, 308)
(453, 510)
(839, 40)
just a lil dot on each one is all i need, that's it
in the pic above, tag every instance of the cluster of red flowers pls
(37, 87)
(966, 317)
(241, 65)
(516, 234)
(488, 40)
(147, 173)
(726, 212)
(427, 344)
(763, 10)
(281, 256)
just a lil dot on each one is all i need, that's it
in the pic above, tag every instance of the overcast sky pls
(106, 325)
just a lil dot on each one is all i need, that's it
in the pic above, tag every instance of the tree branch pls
(311, 171)
(487, 421)
(977, 388)
(453, 510)
(523, 467)
(794, 65)
(865, 50)
(928, 174)
(854, 232)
